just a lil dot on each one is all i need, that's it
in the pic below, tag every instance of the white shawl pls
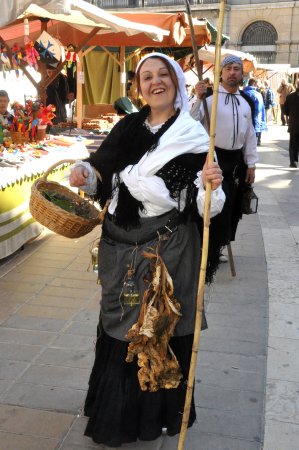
(184, 136)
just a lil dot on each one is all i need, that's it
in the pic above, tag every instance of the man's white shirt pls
(234, 128)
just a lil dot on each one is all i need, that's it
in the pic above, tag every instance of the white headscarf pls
(181, 100)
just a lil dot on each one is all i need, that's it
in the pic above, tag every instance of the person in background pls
(131, 90)
(269, 101)
(209, 86)
(58, 95)
(129, 83)
(260, 86)
(291, 110)
(284, 90)
(5, 116)
(259, 116)
(153, 167)
(235, 140)
(191, 95)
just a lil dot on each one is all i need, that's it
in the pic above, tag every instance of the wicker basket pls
(41, 132)
(19, 138)
(55, 218)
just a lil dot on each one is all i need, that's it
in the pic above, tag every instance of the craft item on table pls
(31, 54)
(48, 48)
(32, 109)
(39, 117)
(16, 58)
(46, 115)
(7, 140)
(21, 119)
(60, 142)
(4, 61)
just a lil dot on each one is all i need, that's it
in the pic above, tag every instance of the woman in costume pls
(153, 167)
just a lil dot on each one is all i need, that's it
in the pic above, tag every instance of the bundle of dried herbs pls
(149, 336)
(79, 208)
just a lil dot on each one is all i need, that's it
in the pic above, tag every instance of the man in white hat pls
(235, 139)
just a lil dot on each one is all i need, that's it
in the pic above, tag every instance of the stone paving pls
(278, 188)
(247, 377)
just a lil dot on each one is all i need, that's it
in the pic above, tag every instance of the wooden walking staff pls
(204, 257)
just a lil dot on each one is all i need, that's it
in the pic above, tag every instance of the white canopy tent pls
(83, 20)
(84, 24)
(274, 73)
(11, 9)
(207, 55)
(80, 15)
(293, 70)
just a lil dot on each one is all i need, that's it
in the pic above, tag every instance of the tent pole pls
(134, 53)
(111, 55)
(42, 66)
(79, 103)
(88, 50)
(122, 72)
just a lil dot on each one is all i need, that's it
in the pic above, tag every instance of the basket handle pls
(64, 161)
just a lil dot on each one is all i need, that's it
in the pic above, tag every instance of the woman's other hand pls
(78, 176)
(211, 173)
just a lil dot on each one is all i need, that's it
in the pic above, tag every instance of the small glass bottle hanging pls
(129, 291)
(94, 258)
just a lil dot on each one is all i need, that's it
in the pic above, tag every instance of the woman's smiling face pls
(156, 85)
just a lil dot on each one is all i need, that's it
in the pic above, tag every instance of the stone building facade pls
(267, 29)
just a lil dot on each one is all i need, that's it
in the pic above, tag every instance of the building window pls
(259, 39)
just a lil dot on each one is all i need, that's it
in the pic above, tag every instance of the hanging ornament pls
(49, 49)
(16, 58)
(31, 55)
(4, 61)
(71, 59)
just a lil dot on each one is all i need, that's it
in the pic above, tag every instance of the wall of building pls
(284, 16)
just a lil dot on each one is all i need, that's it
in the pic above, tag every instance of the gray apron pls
(180, 252)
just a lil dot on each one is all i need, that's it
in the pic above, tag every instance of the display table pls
(17, 226)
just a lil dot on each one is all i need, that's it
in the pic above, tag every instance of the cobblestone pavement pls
(247, 376)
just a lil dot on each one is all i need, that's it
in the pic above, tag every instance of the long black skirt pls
(119, 412)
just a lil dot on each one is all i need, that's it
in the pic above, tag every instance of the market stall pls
(274, 73)
(21, 164)
(87, 26)
(18, 170)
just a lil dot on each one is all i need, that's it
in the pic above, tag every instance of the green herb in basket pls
(72, 206)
